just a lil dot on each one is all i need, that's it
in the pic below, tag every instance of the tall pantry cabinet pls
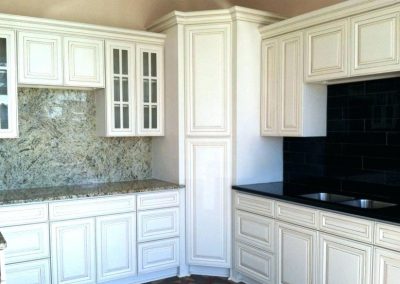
(212, 90)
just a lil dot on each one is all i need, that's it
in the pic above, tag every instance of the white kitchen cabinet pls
(83, 62)
(116, 246)
(344, 261)
(32, 272)
(386, 266)
(376, 42)
(150, 90)
(289, 106)
(208, 79)
(8, 85)
(40, 58)
(116, 104)
(73, 251)
(326, 55)
(296, 251)
(208, 183)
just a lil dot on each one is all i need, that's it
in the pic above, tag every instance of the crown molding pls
(77, 29)
(327, 14)
(236, 13)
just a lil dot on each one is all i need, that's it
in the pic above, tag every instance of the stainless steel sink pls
(328, 197)
(368, 203)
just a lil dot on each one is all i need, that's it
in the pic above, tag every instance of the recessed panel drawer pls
(157, 200)
(387, 236)
(32, 272)
(91, 207)
(298, 215)
(23, 214)
(254, 204)
(346, 226)
(158, 224)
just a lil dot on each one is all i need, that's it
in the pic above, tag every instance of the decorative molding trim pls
(331, 13)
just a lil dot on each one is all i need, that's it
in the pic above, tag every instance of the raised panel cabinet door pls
(32, 272)
(116, 246)
(290, 86)
(73, 251)
(344, 261)
(208, 79)
(150, 86)
(84, 62)
(269, 87)
(8, 85)
(386, 266)
(376, 42)
(40, 59)
(326, 51)
(296, 252)
(208, 187)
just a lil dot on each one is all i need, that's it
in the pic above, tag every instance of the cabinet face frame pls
(340, 29)
(25, 73)
(158, 51)
(96, 47)
(12, 97)
(194, 108)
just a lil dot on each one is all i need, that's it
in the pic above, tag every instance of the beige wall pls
(137, 14)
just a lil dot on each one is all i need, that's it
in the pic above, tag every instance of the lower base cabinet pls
(386, 267)
(31, 272)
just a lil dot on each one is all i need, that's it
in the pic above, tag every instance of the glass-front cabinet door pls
(150, 90)
(8, 89)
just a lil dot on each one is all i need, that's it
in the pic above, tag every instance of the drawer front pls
(254, 263)
(254, 229)
(27, 242)
(33, 272)
(23, 214)
(158, 224)
(298, 215)
(158, 255)
(254, 204)
(387, 236)
(157, 200)
(91, 207)
(350, 227)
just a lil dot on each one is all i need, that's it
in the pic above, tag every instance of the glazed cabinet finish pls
(8, 83)
(32, 272)
(208, 79)
(208, 163)
(386, 266)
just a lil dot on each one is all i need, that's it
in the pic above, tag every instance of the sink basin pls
(328, 197)
(368, 203)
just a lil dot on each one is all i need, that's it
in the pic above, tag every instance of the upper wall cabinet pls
(40, 59)
(208, 79)
(84, 62)
(8, 85)
(326, 51)
(376, 42)
(150, 86)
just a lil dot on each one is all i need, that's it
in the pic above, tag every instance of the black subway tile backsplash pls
(361, 153)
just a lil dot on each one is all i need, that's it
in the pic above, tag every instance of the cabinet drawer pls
(157, 200)
(91, 207)
(254, 204)
(33, 272)
(298, 215)
(27, 242)
(350, 227)
(158, 224)
(158, 255)
(387, 236)
(254, 229)
(23, 214)
(254, 263)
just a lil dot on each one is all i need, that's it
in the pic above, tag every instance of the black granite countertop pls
(288, 192)
(3, 243)
(81, 191)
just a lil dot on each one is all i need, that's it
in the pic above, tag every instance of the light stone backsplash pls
(58, 144)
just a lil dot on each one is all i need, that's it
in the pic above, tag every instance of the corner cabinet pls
(8, 85)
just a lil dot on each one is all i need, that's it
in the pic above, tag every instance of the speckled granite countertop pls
(81, 191)
(3, 243)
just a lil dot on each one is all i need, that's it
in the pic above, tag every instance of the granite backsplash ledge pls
(58, 144)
